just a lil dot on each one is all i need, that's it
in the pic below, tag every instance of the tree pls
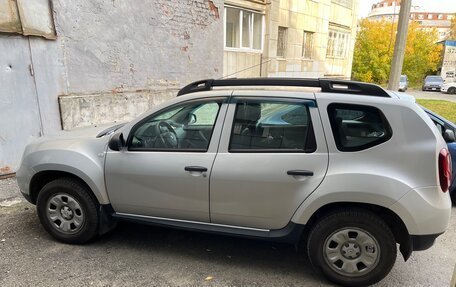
(374, 51)
(452, 33)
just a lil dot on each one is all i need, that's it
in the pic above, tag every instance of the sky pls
(427, 5)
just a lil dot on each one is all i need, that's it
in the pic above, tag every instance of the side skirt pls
(291, 233)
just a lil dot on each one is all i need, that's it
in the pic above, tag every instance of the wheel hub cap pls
(351, 252)
(65, 213)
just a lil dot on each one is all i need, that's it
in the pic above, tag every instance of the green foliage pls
(374, 49)
(444, 108)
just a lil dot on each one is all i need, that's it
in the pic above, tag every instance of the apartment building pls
(289, 38)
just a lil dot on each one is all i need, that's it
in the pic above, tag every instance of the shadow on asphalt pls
(267, 256)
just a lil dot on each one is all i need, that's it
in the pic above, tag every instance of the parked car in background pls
(432, 83)
(403, 83)
(449, 88)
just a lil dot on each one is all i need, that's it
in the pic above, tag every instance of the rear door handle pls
(195, 168)
(300, 172)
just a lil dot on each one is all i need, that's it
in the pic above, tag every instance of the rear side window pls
(263, 126)
(357, 127)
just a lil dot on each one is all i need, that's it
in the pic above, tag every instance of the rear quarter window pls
(358, 127)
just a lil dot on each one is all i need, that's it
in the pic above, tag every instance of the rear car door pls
(272, 156)
(164, 171)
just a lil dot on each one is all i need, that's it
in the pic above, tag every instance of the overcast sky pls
(428, 5)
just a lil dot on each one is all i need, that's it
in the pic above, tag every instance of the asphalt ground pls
(418, 94)
(137, 255)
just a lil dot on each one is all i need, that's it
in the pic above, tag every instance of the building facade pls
(448, 69)
(68, 64)
(289, 38)
(389, 10)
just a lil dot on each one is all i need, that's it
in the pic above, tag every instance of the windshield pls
(434, 79)
(403, 79)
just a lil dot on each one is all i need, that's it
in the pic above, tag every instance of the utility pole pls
(399, 46)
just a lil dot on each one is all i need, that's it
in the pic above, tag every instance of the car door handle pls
(195, 168)
(300, 172)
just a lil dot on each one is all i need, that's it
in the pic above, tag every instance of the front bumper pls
(431, 88)
(444, 89)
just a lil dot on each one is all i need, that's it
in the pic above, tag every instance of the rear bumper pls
(426, 88)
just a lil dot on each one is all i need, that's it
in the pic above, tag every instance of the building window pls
(449, 17)
(440, 17)
(307, 45)
(282, 42)
(243, 29)
(337, 44)
(430, 16)
(345, 3)
(420, 16)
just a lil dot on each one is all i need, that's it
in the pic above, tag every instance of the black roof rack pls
(326, 85)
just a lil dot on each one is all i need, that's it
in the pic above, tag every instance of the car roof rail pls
(326, 85)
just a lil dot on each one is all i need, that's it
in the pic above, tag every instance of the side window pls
(186, 127)
(357, 127)
(272, 127)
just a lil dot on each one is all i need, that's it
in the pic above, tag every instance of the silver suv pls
(346, 169)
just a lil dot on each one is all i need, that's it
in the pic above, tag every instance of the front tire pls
(352, 247)
(67, 211)
(451, 90)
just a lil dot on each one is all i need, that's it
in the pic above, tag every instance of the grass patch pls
(444, 108)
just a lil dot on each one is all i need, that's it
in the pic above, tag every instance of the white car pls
(449, 88)
(346, 169)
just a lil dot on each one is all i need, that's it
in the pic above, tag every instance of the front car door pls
(272, 156)
(164, 170)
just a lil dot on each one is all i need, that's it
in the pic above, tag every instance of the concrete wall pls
(111, 60)
(110, 47)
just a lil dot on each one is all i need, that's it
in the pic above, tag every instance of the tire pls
(453, 197)
(67, 211)
(338, 236)
(452, 90)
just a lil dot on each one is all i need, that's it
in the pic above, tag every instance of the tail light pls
(445, 172)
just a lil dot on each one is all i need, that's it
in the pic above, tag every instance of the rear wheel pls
(354, 248)
(67, 211)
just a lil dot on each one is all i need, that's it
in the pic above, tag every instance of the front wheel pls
(352, 247)
(452, 90)
(67, 211)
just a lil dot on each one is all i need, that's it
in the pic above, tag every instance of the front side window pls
(357, 127)
(243, 29)
(262, 126)
(186, 127)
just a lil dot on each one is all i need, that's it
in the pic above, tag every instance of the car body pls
(403, 83)
(449, 88)
(432, 83)
(336, 166)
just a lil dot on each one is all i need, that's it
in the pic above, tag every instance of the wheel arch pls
(393, 221)
(41, 178)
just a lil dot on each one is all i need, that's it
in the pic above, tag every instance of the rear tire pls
(67, 211)
(352, 247)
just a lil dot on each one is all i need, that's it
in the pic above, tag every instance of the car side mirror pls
(190, 119)
(449, 136)
(116, 142)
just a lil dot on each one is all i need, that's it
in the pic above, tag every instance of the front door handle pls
(195, 168)
(300, 172)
